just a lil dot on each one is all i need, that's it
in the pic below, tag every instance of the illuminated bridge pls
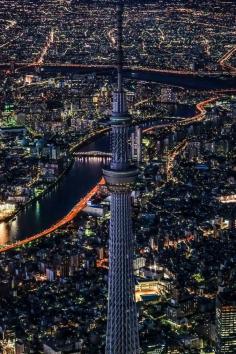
(92, 154)
(36, 64)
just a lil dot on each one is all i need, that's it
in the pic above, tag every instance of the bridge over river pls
(92, 154)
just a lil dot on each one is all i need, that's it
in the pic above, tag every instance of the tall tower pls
(122, 325)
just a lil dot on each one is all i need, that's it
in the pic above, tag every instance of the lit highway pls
(171, 156)
(225, 59)
(196, 119)
(45, 49)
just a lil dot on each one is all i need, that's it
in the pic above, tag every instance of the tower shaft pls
(122, 334)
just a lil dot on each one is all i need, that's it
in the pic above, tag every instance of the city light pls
(117, 176)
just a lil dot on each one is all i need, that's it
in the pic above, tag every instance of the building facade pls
(226, 322)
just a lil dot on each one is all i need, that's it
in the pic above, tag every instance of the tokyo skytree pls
(122, 323)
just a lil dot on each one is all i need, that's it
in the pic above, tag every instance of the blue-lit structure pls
(122, 324)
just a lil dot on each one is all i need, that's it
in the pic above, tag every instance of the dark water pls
(84, 174)
(187, 81)
(181, 110)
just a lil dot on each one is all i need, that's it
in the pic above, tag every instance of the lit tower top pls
(120, 117)
(120, 10)
(120, 113)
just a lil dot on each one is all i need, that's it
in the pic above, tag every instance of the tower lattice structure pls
(122, 323)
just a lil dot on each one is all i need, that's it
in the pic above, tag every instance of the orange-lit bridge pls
(39, 63)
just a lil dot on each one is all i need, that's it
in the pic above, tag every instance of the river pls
(196, 81)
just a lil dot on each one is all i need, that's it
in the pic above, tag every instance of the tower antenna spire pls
(120, 54)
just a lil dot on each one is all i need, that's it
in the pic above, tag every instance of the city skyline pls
(117, 177)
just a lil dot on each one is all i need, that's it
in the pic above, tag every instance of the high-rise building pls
(136, 144)
(226, 322)
(167, 95)
(122, 325)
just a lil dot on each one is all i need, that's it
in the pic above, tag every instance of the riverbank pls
(40, 195)
(88, 139)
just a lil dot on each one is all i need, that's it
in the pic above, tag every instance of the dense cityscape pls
(117, 226)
